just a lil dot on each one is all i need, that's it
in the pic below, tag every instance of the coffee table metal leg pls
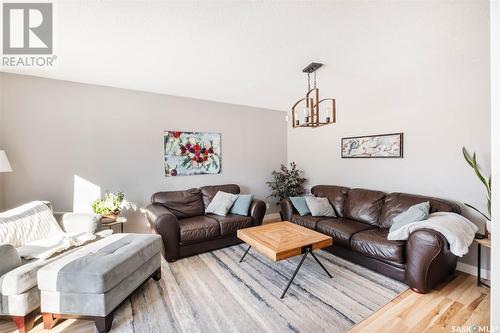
(478, 264)
(245, 253)
(319, 262)
(295, 273)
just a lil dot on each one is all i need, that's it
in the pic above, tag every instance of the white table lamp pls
(4, 162)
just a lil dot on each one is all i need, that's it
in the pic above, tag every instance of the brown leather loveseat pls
(360, 234)
(179, 217)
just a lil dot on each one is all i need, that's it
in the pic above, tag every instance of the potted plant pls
(487, 184)
(287, 182)
(111, 205)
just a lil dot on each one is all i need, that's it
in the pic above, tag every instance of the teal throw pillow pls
(300, 205)
(242, 204)
(415, 213)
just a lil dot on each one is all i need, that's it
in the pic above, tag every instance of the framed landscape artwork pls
(192, 153)
(373, 146)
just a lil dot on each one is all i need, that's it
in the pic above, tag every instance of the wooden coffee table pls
(282, 240)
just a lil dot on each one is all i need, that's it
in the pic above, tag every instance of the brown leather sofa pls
(179, 217)
(360, 234)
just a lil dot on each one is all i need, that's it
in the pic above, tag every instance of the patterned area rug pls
(212, 292)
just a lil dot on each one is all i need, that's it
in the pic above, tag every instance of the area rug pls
(213, 292)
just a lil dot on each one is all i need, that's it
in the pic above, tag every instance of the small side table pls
(109, 222)
(486, 242)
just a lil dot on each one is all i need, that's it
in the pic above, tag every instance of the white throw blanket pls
(34, 231)
(457, 230)
(47, 247)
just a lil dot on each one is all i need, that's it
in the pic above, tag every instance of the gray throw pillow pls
(221, 203)
(418, 212)
(320, 206)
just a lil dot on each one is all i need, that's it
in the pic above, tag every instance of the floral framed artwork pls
(192, 153)
(373, 146)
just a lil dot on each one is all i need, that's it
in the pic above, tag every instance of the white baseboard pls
(272, 216)
(472, 270)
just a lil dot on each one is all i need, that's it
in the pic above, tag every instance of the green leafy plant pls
(287, 182)
(486, 182)
(110, 204)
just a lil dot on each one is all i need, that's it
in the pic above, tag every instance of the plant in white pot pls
(486, 182)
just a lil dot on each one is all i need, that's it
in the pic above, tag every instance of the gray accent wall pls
(65, 140)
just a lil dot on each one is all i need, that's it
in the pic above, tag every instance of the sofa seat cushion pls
(374, 243)
(307, 221)
(197, 229)
(98, 267)
(230, 223)
(21, 279)
(24, 277)
(341, 229)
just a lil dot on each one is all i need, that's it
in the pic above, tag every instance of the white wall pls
(113, 138)
(438, 95)
(495, 126)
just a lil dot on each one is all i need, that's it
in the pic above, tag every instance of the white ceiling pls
(248, 53)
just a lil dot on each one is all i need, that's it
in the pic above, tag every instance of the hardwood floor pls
(459, 302)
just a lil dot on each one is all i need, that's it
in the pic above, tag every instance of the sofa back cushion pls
(364, 205)
(181, 203)
(335, 194)
(209, 192)
(396, 203)
(28, 223)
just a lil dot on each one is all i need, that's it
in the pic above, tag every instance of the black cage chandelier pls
(311, 111)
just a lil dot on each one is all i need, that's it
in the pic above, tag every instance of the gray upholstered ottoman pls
(92, 282)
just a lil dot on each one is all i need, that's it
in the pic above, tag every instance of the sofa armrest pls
(287, 209)
(79, 222)
(10, 259)
(165, 223)
(429, 260)
(257, 211)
